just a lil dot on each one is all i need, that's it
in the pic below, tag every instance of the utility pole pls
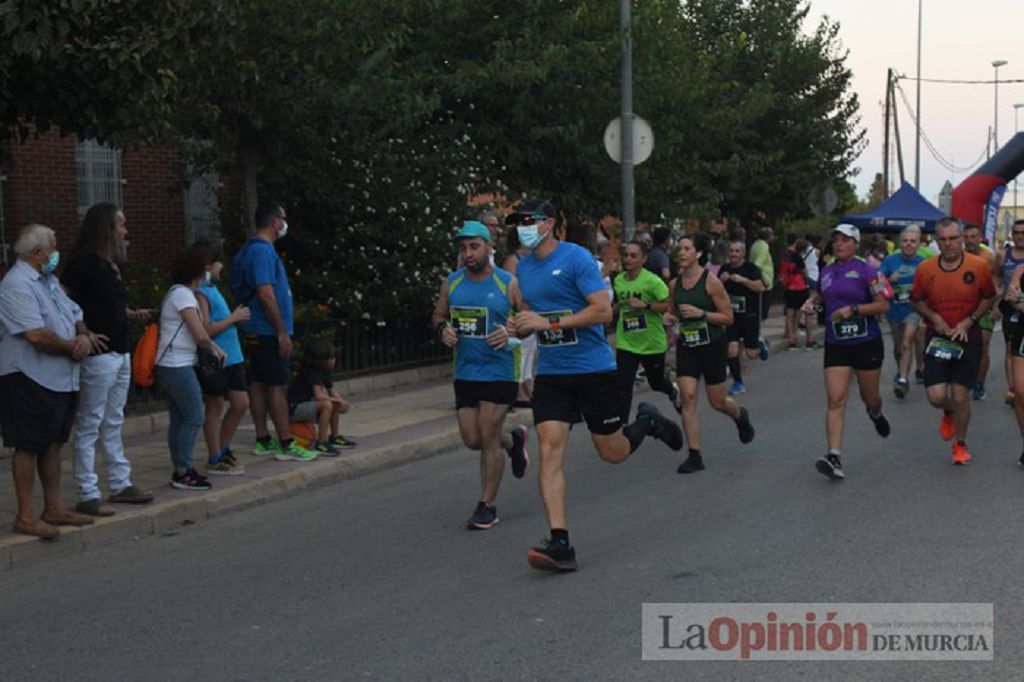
(917, 146)
(885, 151)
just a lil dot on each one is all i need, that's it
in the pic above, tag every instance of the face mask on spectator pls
(284, 229)
(208, 278)
(51, 263)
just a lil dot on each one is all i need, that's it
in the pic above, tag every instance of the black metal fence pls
(362, 347)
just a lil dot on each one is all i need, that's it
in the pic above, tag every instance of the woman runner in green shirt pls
(703, 308)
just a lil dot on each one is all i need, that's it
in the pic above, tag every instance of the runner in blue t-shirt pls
(567, 306)
(471, 314)
(899, 268)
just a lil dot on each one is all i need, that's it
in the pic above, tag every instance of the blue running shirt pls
(477, 308)
(900, 272)
(559, 285)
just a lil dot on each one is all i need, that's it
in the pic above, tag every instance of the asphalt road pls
(377, 578)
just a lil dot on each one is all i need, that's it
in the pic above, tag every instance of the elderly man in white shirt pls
(42, 340)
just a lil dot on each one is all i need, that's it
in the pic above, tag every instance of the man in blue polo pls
(259, 280)
(472, 310)
(567, 306)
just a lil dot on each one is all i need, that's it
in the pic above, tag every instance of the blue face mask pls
(50, 266)
(529, 236)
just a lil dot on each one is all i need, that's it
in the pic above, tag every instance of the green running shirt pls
(640, 331)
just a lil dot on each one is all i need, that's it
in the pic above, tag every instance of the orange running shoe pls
(946, 428)
(960, 454)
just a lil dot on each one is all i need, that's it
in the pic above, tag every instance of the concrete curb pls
(167, 518)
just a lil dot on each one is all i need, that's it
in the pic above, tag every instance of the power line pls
(960, 82)
(948, 165)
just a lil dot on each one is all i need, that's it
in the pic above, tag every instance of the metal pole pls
(899, 143)
(917, 146)
(885, 147)
(626, 137)
(995, 126)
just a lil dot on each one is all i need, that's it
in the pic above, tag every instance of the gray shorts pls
(304, 412)
(897, 327)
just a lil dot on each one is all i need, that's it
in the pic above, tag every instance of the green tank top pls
(694, 333)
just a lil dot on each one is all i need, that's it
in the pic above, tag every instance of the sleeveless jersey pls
(695, 332)
(477, 308)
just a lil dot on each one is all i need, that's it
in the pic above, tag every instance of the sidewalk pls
(396, 418)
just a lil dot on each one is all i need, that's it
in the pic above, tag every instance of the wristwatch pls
(647, 305)
(974, 317)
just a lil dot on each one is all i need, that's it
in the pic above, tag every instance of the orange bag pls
(304, 433)
(144, 356)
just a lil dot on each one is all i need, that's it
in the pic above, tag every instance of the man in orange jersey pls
(951, 293)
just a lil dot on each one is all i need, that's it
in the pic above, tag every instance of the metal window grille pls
(202, 217)
(98, 168)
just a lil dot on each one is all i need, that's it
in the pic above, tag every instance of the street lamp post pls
(917, 145)
(995, 127)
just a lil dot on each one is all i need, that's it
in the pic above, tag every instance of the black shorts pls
(862, 357)
(794, 298)
(1015, 338)
(32, 416)
(746, 329)
(572, 398)
(710, 360)
(963, 371)
(264, 362)
(234, 376)
(1011, 321)
(472, 393)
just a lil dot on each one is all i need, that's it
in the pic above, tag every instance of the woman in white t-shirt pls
(181, 333)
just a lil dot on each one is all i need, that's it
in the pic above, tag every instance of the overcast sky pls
(960, 40)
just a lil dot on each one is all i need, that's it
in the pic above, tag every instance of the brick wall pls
(154, 205)
(41, 187)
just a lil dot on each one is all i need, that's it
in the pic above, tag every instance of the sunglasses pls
(525, 219)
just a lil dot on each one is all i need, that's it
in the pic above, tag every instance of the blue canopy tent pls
(905, 207)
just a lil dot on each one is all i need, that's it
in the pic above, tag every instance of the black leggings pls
(657, 378)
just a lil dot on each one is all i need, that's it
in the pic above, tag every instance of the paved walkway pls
(392, 425)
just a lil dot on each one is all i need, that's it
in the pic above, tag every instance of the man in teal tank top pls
(472, 310)
(641, 297)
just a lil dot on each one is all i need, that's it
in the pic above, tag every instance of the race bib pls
(693, 333)
(853, 328)
(562, 337)
(634, 322)
(902, 294)
(945, 350)
(739, 304)
(470, 323)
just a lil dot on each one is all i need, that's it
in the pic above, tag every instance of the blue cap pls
(471, 229)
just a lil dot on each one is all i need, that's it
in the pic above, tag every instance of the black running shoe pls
(665, 430)
(901, 387)
(745, 428)
(483, 518)
(693, 464)
(518, 454)
(552, 556)
(881, 424)
(190, 480)
(830, 466)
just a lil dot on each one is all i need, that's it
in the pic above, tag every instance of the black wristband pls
(440, 327)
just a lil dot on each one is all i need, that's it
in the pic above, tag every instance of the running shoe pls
(737, 388)
(483, 518)
(946, 427)
(978, 392)
(552, 556)
(325, 450)
(517, 453)
(763, 349)
(830, 466)
(294, 453)
(665, 430)
(342, 442)
(960, 454)
(224, 468)
(190, 480)
(1008, 398)
(692, 464)
(677, 398)
(901, 387)
(881, 424)
(744, 427)
(919, 378)
(269, 447)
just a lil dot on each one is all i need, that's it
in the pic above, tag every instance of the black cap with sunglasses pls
(530, 212)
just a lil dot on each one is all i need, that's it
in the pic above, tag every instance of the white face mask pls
(284, 229)
(208, 278)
